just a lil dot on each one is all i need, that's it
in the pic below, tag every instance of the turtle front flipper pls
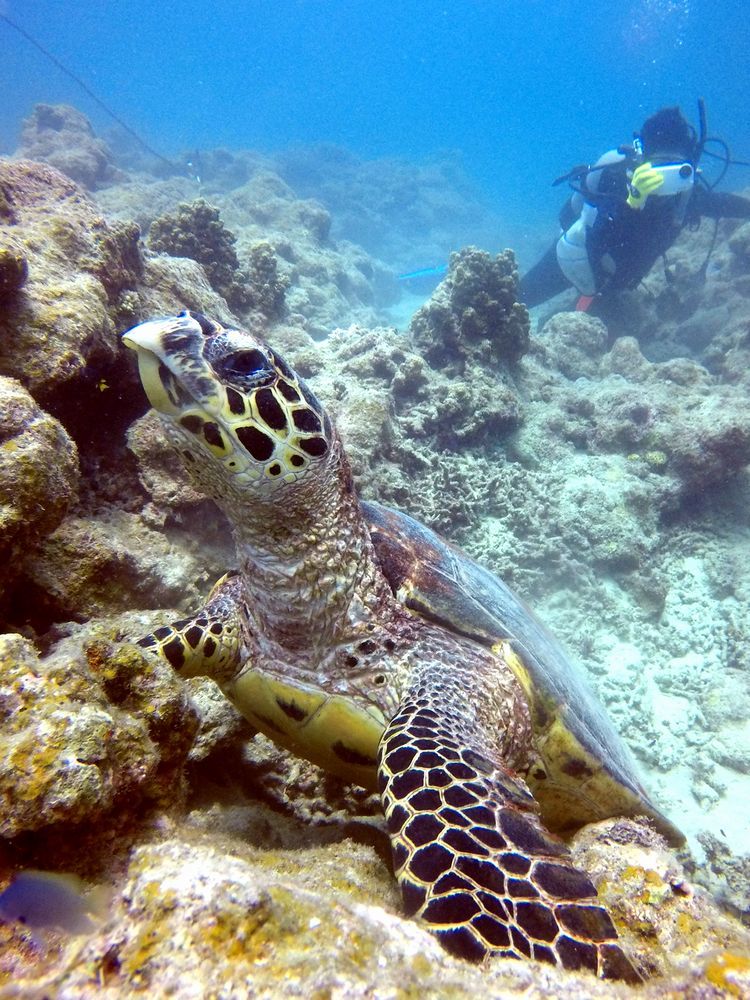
(208, 644)
(474, 861)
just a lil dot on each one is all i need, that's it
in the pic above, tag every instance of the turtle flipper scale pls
(474, 861)
(207, 644)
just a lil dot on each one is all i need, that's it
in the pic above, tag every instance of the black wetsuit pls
(624, 243)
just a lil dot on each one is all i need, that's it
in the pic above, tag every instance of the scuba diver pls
(628, 209)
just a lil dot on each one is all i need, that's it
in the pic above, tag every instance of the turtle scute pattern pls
(474, 862)
(209, 642)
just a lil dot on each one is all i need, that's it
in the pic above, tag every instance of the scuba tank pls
(572, 251)
(573, 257)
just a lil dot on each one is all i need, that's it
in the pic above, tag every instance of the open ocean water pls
(520, 90)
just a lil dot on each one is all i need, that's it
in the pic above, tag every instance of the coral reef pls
(38, 476)
(63, 137)
(473, 315)
(411, 214)
(79, 738)
(196, 230)
(325, 283)
(604, 477)
(330, 283)
(578, 516)
(204, 911)
(410, 408)
(672, 416)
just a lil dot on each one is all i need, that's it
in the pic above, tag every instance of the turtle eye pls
(249, 368)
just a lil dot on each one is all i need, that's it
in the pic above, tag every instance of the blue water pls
(522, 89)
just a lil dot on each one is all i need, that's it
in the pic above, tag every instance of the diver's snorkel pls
(702, 131)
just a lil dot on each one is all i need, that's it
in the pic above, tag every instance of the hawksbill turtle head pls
(246, 426)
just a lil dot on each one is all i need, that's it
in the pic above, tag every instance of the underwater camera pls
(678, 177)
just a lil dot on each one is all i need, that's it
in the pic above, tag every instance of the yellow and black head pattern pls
(230, 400)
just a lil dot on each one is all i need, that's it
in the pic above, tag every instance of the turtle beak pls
(170, 362)
(147, 336)
(146, 341)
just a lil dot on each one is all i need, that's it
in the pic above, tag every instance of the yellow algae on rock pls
(667, 924)
(731, 973)
(76, 740)
(78, 267)
(39, 476)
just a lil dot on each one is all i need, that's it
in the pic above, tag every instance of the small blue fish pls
(425, 272)
(42, 900)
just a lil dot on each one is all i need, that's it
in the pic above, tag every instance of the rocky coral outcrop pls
(14, 270)
(446, 387)
(574, 344)
(142, 198)
(83, 737)
(196, 230)
(267, 287)
(92, 567)
(672, 416)
(63, 137)
(404, 423)
(80, 272)
(38, 476)
(473, 315)
(171, 284)
(330, 283)
(161, 473)
(59, 335)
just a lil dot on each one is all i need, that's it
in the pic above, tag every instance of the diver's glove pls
(644, 182)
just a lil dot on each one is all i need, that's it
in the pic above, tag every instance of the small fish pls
(102, 385)
(425, 272)
(43, 900)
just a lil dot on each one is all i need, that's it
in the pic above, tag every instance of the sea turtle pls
(357, 638)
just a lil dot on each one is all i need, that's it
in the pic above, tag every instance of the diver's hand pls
(644, 182)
